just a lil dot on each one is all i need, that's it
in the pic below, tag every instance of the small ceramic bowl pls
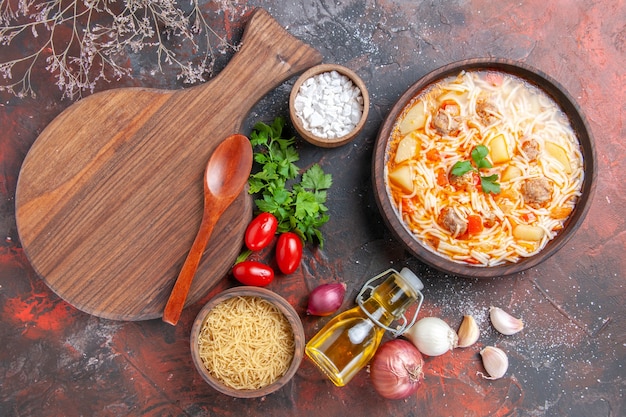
(309, 136)
(282, 305)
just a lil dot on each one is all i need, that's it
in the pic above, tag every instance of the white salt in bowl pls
(328, 105)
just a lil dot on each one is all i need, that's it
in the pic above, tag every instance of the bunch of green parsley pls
(479, 154)
(297, 201)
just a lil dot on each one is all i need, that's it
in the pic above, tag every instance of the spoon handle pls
(178, 296)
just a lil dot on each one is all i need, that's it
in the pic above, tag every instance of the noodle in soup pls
(488, 208)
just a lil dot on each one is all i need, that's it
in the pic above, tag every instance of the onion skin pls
(396, 370)
(326, 299)
(432, 336)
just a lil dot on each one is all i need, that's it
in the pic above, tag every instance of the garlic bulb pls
(432, 336)
(495, 362)
(468, 332)
(504, 322)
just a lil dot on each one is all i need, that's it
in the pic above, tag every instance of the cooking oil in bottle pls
(349, 340)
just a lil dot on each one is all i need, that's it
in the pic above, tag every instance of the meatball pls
(530, 147)
(536, 191)
(486, 112)
(450, 220)
(465, 182)
(446, 121)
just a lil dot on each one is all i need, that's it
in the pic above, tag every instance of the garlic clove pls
(495, 362)
(504, 322)
(468, 332)
(432, 336)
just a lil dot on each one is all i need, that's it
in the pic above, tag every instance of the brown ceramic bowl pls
(278, 301)
(297, 122)
(532, 76)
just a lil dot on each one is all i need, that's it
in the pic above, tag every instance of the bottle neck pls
(389, 300)
(377, 312)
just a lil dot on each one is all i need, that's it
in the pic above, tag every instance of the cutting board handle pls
(268, 56)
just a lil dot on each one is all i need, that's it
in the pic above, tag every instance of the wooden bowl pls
(532, 76)
(297, 122)
(283, 306)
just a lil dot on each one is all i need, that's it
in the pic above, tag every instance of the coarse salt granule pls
(329, 105)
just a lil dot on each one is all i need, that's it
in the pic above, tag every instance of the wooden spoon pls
(226, 174)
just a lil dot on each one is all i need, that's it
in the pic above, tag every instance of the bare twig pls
(101, 34)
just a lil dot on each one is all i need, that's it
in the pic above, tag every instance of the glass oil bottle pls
(349, 340)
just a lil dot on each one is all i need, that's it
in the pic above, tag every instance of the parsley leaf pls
(301, 208)
(315, 179)
(489, 184)
(479, 156)
(461, 167)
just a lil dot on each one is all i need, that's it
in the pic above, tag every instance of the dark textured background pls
(570, 358)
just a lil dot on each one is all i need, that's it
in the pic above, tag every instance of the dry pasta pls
(535, 157)
(246, 342)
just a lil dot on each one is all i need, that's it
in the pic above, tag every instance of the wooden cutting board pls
(109, 197)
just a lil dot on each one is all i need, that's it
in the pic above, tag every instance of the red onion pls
(326, 299)
(396, 369)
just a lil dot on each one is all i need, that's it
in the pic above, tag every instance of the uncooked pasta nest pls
(246, 342)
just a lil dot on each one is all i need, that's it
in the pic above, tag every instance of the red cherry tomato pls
(288, 252)
(253, 273)
(261, 231)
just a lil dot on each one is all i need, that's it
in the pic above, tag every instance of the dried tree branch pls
(101, 34)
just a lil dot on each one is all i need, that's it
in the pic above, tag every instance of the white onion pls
(396, 369)
(432, 336)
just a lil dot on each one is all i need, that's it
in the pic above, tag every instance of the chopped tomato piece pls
(448, 102)
(474, 224)
(433, 155)
(442, 178)
(528, 217)
(433, 241)
(471, 261)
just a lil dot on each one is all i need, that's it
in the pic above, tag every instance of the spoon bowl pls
(226, 174)
(227, 168)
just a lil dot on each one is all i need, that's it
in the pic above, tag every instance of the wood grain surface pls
(109, 197)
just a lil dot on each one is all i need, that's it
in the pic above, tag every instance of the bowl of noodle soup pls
(484, 168)
(247, 342)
